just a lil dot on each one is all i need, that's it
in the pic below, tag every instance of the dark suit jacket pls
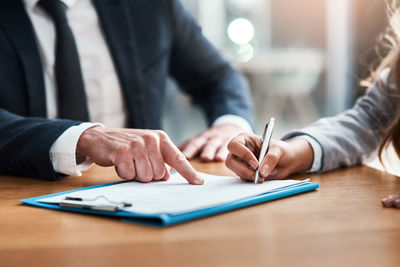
(148, 40)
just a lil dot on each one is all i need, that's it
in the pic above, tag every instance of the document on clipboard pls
(171, 201)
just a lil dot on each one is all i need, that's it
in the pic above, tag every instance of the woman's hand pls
(392, 201)
(282, 159)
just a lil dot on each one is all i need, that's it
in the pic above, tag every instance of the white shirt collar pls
(32, 3)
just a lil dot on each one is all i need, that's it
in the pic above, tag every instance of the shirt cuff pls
(317, 149)
(233, 119)
(63, 151)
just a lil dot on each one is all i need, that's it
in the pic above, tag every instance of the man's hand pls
(392, 201)
(282, 159)
(211, 145)
(136, 154)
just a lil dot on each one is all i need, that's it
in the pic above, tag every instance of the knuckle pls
(165, 142)
(272, 157)
(136, 143)
(152, 139)
(122, 150)
(231, 145)
(137, 148)
(277, 146)
(180, 159)
(161, 133)
(247, 157)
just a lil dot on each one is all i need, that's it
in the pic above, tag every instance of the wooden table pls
(341, 224)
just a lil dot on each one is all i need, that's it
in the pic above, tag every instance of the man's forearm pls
(25, 144)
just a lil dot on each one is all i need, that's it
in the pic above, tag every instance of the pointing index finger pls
(175, 158)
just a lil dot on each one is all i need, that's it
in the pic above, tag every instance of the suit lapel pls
(116, 20)
(18, 28)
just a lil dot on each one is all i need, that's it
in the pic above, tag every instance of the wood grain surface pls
(341, 224)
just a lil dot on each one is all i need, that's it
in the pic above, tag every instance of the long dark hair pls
(388, 49)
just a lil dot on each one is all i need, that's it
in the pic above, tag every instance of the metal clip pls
(82, 203)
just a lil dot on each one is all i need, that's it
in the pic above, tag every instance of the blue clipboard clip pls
(82, 203)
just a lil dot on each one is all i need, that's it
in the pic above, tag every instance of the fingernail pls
(397, 203)
(220, 159)
(387, 201)
(273, 174)
(265, 171)
(253, 164)
(206, 158)
(198, 180)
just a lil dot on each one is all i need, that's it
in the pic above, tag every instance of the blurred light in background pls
(297, 55)
(241, 31)
(245, 52)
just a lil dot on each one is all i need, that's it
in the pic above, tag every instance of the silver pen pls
(266, 139)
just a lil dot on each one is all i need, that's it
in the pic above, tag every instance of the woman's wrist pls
(302, 153)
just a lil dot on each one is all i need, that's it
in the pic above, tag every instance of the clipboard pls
(164, 219)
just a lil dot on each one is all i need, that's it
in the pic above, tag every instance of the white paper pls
(176, 195)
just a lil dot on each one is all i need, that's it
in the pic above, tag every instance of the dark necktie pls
(70, 87)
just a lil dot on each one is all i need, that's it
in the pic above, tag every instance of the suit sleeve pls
(201, 72)
(25, 144)
(350, 137)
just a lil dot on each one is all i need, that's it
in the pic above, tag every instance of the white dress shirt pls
(103, 91)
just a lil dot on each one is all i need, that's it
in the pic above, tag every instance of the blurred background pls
(303, 58)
